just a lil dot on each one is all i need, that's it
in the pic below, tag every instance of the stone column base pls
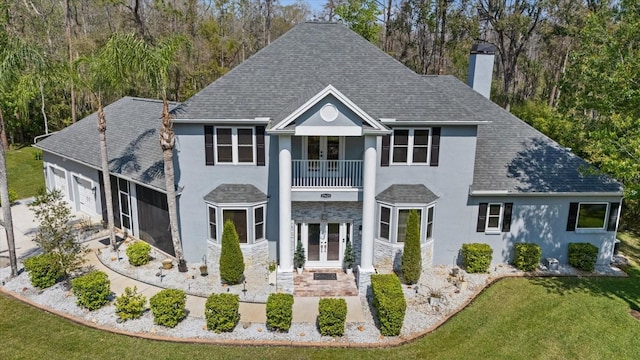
(364, 281)
(284, 281)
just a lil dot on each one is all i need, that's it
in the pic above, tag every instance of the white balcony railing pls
(326, 174)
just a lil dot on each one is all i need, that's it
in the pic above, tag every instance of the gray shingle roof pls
(132, 140)
(236, 194)
(407, 194)
(302, 62)
(513, 156)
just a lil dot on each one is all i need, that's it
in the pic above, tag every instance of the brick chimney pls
(481, 68)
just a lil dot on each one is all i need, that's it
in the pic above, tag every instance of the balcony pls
(333, 174)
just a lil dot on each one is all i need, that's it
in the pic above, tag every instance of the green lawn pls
(554, 318)
(25, 172)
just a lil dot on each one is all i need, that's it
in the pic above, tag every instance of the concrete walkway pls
(305, 309)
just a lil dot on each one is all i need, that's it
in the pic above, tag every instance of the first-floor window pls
(592, 216)
(385, 222)
(403, 216)
(239, 219)
(430, 222)
(258, 219)
(494, 216)
(213, 228)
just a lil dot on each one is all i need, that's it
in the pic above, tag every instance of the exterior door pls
(125, 205)
(86, 197)
(324, 242)
(60, 181)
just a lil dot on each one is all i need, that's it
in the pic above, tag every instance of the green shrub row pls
(527, 256)
(279, 312)
(130, 304)
(138, 253)
(91, 290)
(477, 257)
(44, 270)
(332, 314)
(583, 256)
(221, 312)
(168, 307)
(389, 302)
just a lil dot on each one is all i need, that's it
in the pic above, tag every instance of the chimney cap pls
(483, 48)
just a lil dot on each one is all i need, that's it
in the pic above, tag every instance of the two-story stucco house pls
(323, 138)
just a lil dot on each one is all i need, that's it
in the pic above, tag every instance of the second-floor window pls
(410, 146)
(234, 145)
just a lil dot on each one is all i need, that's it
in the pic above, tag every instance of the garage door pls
(60, 181)
(86, 197)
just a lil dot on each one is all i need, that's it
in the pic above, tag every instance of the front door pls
(324, 242)
(85, 196)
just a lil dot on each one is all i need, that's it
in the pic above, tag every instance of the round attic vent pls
(329, 113)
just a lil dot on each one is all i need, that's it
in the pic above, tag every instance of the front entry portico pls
(324, 242)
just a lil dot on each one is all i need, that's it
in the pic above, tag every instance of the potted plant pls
(349, 258)
(461, 283)
(299, 257)
(203, 268)
(434, 297)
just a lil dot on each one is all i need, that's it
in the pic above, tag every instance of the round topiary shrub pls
(168, 306)
(221, 312)
(231, 259)
(477, 257)
(138, 253)
(92, 290)
(44, 270)
(527, 256)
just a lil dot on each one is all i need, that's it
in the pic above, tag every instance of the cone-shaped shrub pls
(231, 260)
(411, 259)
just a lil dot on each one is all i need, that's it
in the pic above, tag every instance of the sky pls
(315, 5)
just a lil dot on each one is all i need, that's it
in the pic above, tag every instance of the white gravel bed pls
(257, 283)
(420, 315)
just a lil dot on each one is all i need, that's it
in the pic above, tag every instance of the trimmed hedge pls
(92, 290)
(332, 314)
(583, 256)
(221, 312)
(167, 307)
(279, 312)
(130, 304)
(138, 253)
(411, 255)
(477, 257)
(389, 302)
(527, 256)
(231, 259)
(44, 270)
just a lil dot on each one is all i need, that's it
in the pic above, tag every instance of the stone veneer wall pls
(387, 257)
(255, 255)
(335, 211)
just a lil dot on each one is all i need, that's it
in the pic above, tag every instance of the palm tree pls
(17, 60)
(110, 71)
(158, 61)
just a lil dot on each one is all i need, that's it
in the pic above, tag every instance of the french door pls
(324, 242)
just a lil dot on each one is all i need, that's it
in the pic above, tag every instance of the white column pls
(284, 180)
(368, 203)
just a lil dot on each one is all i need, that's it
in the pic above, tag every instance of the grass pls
(539, 318)
(24, 171)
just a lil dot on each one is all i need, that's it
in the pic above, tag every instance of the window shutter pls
(482, 217)
(384, 156)
(435, 146)
(573, 216)
(208, 145)
(260, 145)
(506, 220)
(613, 216)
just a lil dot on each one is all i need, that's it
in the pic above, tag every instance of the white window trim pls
(410, 145)
(263, 236)
(496, 230)
(431, 207)
(396, 210)
(234, 145)
(380, 206)
(606, 217)
(217, 223)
